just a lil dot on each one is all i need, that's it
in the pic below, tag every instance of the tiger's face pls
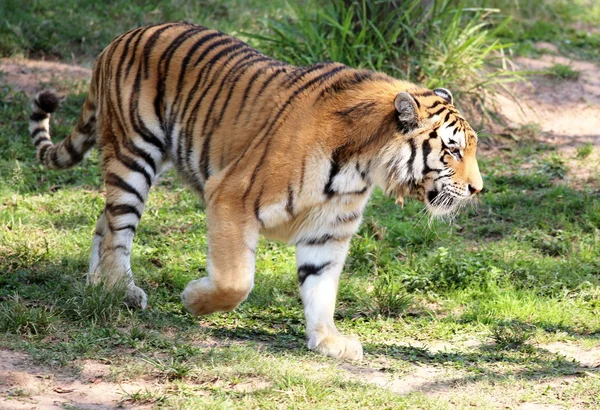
(439, 167)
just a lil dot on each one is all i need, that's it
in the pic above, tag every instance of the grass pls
(36, 28)
(448, 45)
(584, 150)
(475, 302)
(563, 72)
(569, 25)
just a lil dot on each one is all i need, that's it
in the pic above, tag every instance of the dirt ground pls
(568, 115)
(24, 385)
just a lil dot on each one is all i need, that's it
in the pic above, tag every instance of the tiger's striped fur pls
(289, 152)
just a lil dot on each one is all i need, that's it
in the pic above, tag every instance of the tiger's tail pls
(71, 150)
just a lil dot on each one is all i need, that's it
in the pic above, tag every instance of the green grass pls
(563, 72)
(570, 25)
(584, 150)
(449, 45)
(477, 300)
(37, 28)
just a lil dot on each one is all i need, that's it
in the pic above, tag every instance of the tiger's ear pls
(445, 94)
(407, 112)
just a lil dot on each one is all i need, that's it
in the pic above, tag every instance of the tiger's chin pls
(440, 204)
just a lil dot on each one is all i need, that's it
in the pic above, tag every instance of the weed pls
(563, 72)
(554, 167)
(143, 396)
(390, 296)
(96, 303)
(172, 368)
(528, 132)
(17, 317)
(584, 150)
(512, 335)
(448, 46)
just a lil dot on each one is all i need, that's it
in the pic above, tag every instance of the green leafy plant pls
(584, 151)
(390, 297)
(512, 335)
(563, 72)
(17, 317)
(447, 45)
(554, 166)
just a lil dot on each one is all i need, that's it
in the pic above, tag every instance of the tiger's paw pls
(136, 297)
(202, 297)
(340, 347)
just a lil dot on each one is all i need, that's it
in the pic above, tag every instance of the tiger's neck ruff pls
(289, 152)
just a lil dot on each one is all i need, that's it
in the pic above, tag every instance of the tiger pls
(290, 153)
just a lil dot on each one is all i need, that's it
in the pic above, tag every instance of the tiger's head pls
(432, 155)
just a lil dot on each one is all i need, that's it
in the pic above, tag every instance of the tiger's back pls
(289, 152)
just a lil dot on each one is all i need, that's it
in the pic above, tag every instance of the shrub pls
(446, 45)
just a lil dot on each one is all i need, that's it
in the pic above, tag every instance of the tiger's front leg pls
(232, 238)
(319, 267)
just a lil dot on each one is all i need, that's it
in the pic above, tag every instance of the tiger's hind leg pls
(232, 237)
(101, 228)
(128, 182)
(319, 267)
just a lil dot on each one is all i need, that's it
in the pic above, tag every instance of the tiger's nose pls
(473, 190)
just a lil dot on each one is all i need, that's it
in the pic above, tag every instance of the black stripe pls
(140, 153)
(204, 156)
(442, 109)
(43, 151)
(426, 151)
(123, 209)
(302, 172)
(333, 171)
(130, 227)
(165, 65)
(257, 59)
(447, 117)
(39, 141)
(134, 53)
(302, 72)
(435, 104)
(289, 206)
(321, 240)
(37, 131)
(307, 269)
(183, 140)
(345, 218)
(251, 82)
(411, 160)
(263, 87)
(54, 156)
(357, 111)
(38, 116)
(346, 83)
(255, 172)
(133, 165)
(68, 145)
(115, 180)
(125, 250)
(201, 79)
(149, 45)
(320, 78)
(257, 207)
(268, 81)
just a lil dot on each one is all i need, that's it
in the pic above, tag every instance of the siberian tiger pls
(292, 153)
